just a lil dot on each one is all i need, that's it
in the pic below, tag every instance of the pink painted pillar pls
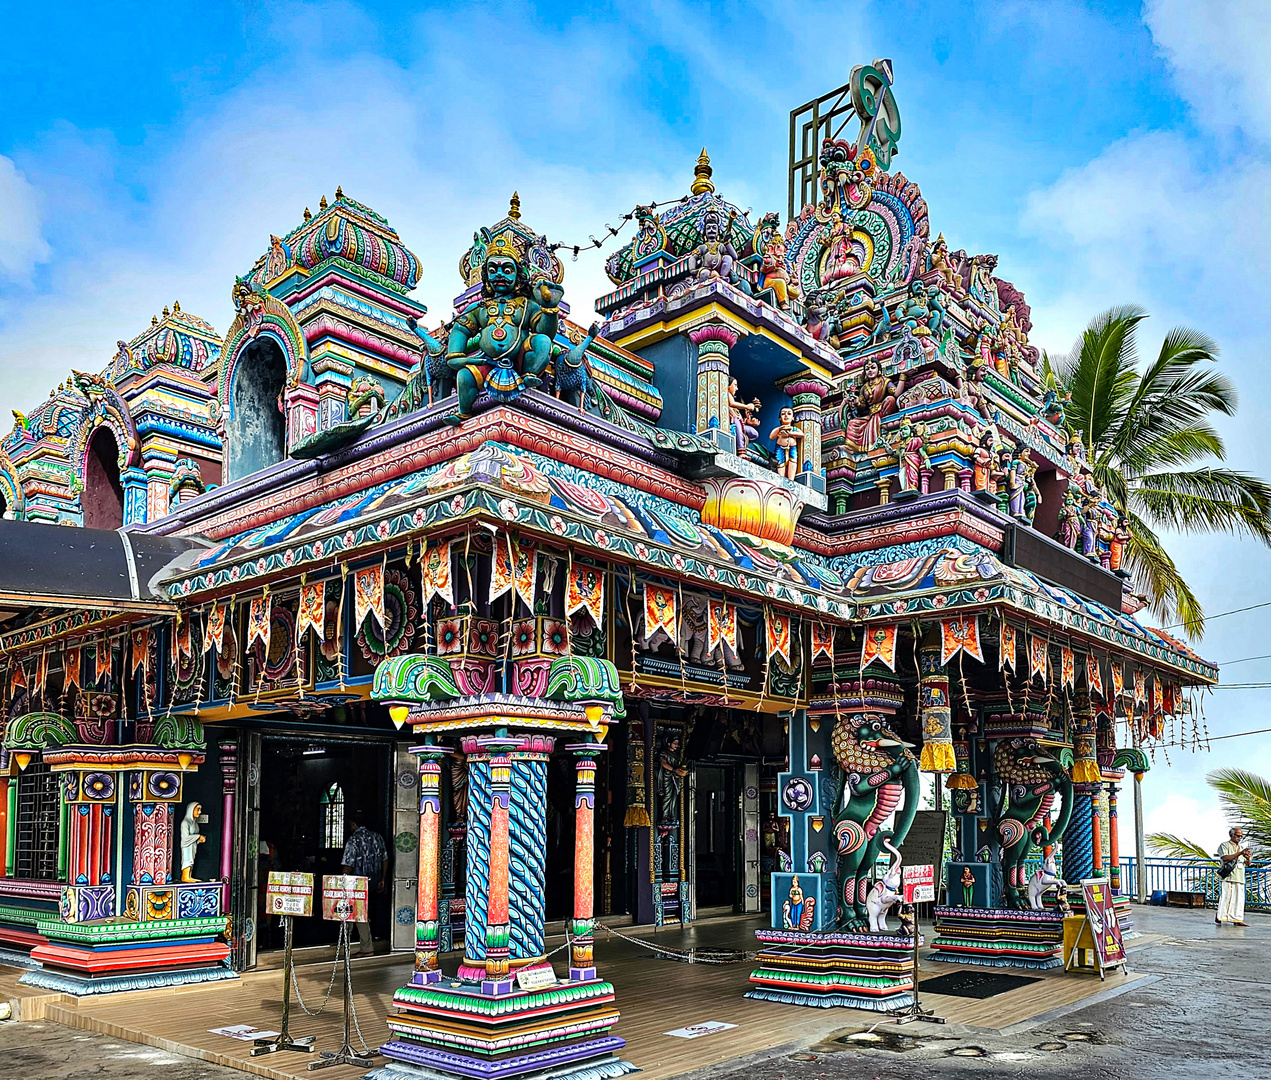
(229, 784)
(427, 907)
(581, 960)
(498, 931)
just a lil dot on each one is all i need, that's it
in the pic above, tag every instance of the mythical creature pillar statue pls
(880, 776)
(1029, 779)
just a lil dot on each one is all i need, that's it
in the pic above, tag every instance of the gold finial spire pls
(154, 320)
(176, 307)
(339, 192)
(307, 214)
(322, 203)
(702, 174)
(166, 312)
(514, 206)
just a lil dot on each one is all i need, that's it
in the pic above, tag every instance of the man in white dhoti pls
(1231, 895)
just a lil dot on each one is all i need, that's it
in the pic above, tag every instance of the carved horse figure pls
(879, 775)
(1043, 881)
(1030, 779)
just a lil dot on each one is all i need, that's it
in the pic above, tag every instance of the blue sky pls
(1107, 153)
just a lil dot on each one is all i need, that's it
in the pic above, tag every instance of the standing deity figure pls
(670, 779)
(911, 455)
(1069, 522)
(788, 439)
(189, 839)
(873, 399)
(1090, 515)
(1032, 493)
(740, 414)
(1117, 546)
(982, 460)
(1017, 484)
(982, 287)
(510, 327)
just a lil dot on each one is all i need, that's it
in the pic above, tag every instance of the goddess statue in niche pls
(189, 839)
(874, 398)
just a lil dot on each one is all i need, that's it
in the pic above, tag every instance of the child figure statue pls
(189, 840)
(789, 440)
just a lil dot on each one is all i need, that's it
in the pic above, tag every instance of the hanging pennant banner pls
(1140, 689)
(436, 573)
(585, 591)
(880, 644)
(184, 642)
(140, 649)
(215, 628)
(1067, 667)
(1094, 675)
(101, 661)
(524, 571)
(313, 610)
(17, 679)
(258, 621)
(1118, 680)
(41, 674)
(960, 635)
(723, 625)
(659, 612)
(71, 666)
(500, 568)
(368, 596)
(1006, 656)
(1038, 657)
(1170, 705)
(1158, 697)
(778, 635)
(822, 641)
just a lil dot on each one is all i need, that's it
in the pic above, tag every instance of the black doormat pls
(974, 984)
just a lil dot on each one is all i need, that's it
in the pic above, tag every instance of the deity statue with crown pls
(502, 342)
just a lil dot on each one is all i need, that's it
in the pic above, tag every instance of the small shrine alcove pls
(255, 430)
(103, 498)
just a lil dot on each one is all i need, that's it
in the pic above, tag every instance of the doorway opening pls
(316, 789)
(256, 430)
(715, 835)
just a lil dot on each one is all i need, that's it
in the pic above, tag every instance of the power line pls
(1244, 660)
(1212, 738)
(1221, 614)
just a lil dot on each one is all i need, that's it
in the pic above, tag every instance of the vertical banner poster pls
(343, 898)
(1102, 917)
(289, 894)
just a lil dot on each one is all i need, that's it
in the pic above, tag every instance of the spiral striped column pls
(497, 925)
(527, 879)
(1078, 837)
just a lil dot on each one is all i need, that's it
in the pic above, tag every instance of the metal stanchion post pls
(915, 1011)
(284, 1041)
(346, 1055)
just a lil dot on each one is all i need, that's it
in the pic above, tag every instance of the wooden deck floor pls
(655, 996)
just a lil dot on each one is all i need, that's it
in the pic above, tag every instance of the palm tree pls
(1150, 441)
(1246, 800)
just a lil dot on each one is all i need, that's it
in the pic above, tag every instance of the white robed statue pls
(189, 839)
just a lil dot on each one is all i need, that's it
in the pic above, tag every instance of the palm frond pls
(1177, 847)
(1170, 449)
(1246, 799)
(1206, 500)
(1100, 375)
(1169, 595)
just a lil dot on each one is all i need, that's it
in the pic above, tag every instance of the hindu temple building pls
(660, 617)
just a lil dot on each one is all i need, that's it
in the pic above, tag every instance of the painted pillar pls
(1078, 861)
(301, 403)
(713, 343)
(427, 908)
(5, 869)
(1114, 841)
(332, 377)
(229, 786)
(158, 463)
(806, 394)
(497, 928)
(10, 827)
(582, 965)
(151, 843)
(1081, 840)
(136, 494)
(527, 880)
(91, 837)
(1096, 835)
(477, 861)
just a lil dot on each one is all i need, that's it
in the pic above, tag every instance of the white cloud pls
(1218, 50)
(22, 243)
(1194, 817)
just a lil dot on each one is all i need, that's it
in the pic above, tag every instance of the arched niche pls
(256, 429)
(102, 500)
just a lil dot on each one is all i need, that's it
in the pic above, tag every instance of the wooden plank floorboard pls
(655, 996)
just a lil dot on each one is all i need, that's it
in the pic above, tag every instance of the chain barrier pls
(295, 985)
(684, 956)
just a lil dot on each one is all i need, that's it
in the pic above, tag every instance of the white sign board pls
(920, 884)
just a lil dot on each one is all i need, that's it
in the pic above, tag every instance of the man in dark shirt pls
(365, 856)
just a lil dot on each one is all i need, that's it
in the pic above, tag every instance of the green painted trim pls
(112, 931)
(63, 840)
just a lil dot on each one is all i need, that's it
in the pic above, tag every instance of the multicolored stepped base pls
(998, 937)
(447, 1029)
(859, 971)
(111, 955)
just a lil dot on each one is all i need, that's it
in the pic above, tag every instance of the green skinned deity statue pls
(503, 341)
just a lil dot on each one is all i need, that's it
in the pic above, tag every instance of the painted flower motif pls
(711, 572)
(743, 581)
(449, 636)
(523, 637)
(602, 538)
(350, 539)
(233, 573)
(981, 595)
(185, 588)
(557, 524)
(507, 510)
(260, 566)
(456, 504)
(677, 560)
(642, 552)
(417, 518)
(555, 638)
(381, 530)
(483, 640)
(939, 600)
(772, 588)
(900, 605)
(288, 557)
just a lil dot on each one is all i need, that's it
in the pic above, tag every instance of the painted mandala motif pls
(797, 794)
(401, 610)
(405, 842)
